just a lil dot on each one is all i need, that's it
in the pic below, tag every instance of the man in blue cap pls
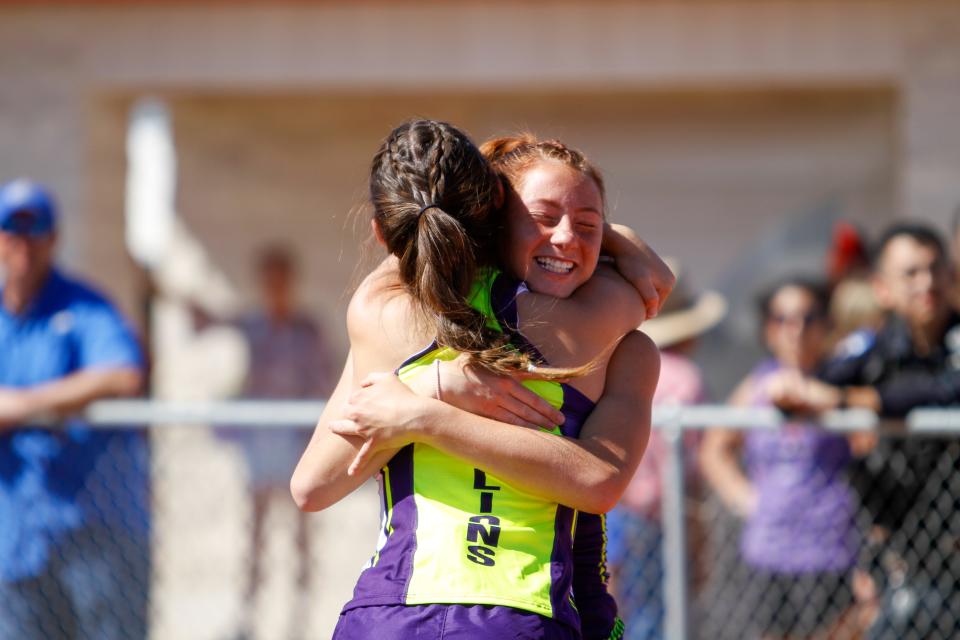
(73, 500)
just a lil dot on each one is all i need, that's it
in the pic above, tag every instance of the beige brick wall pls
(705, 176)
(930, 148)
(67, 71)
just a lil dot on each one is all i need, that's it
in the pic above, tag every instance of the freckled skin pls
(554, 229)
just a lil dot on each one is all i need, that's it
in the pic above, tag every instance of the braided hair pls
(434, 199)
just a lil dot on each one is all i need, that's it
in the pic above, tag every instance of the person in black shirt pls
(909, 487)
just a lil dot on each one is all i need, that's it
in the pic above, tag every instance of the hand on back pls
(502, 398)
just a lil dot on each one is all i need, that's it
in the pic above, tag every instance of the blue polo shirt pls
(53, 481)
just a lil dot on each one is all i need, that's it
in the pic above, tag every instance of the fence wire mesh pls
(233, 556)
(177, 543)
(196, 551)
(868, 553)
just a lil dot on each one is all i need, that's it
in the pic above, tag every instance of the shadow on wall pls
(797, 244)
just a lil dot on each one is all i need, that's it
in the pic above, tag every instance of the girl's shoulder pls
(382, 322)
(573, 331)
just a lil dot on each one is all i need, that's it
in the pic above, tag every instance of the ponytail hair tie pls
(429, 206)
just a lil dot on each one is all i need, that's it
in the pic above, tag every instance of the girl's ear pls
(501, 195)
(377, 233)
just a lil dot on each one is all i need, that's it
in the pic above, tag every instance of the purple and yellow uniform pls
(598, 609)
(455, 535)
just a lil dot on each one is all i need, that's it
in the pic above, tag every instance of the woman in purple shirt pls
(799, 538)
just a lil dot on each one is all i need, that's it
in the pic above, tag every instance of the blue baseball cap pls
(26, 208)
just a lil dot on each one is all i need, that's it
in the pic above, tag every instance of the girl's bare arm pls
(589, 473)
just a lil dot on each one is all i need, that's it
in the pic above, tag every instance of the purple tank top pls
(804, 520)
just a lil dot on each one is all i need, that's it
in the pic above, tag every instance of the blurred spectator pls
(288, 360)
(955, 247)
(635, 536)
(74, 548)
(799, 538)
(908, 486)
(853, 305)
(847, 256)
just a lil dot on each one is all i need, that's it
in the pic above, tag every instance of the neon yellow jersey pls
(452, 533)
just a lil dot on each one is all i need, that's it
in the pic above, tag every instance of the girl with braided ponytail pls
(435, 203)
(487, 550)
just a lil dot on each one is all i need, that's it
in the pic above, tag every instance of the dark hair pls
(816, 287)
(921, 233)
(511, 156)
(434, 198)
(276, 256)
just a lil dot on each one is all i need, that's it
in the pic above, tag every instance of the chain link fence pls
(853, 534)
(182, 556)
(176, 543)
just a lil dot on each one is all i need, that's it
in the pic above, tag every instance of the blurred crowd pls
(75, 502)
(838, 535)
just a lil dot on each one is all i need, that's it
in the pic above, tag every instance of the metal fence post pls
(674, 532)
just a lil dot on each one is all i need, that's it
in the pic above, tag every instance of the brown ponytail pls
(434, 197)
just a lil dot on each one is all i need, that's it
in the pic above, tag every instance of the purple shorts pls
(448, 622)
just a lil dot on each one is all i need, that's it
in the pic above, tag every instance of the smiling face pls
(554, 225)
